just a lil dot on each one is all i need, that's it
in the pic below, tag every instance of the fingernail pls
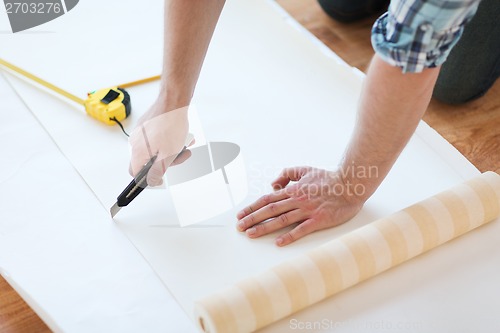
(251, 231)
(241, 225)
(279, 241)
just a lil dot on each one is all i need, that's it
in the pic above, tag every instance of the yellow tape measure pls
(108, 105)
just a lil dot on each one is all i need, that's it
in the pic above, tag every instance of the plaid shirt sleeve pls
(419, 34)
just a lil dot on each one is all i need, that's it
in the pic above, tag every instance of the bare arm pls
(162, 130)
(189, 26)
(391, 105)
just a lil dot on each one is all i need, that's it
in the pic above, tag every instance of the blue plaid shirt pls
(418, 34)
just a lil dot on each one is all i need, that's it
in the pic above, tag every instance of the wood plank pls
(473, 128)
(15, 315)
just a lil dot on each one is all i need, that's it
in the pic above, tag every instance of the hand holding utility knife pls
(133, 189)
(139, 183)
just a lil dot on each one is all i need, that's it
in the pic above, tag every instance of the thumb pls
(287, 175)
(158, 169)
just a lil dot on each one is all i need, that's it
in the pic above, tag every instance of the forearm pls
(189, 26)
(391, 106)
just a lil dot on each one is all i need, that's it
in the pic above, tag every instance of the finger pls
(287, 175)
(141, 151)
(155, 174)
(137, 161)
(263, 201)
(280, 222)
(298, 232)
(182, 157)
(271, 210)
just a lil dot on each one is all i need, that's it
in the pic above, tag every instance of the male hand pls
(159, 133)
(318, 200)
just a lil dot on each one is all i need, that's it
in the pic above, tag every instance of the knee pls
(449, 96)
(351, 10)
(451, 91)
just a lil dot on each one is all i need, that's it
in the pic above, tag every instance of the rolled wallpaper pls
(347, 260)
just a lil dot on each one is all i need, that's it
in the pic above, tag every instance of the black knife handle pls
(136, 186)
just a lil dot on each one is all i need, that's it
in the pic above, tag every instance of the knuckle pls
(283, 220)
(300, 195)
(260, 229)
(277, 187)
(300, 229)
(266, 199)
(292, 191)
(297, 204)
(288, 237)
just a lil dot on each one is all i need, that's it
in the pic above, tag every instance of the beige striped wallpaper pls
(320, 273)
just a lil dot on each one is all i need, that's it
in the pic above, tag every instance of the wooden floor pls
(473, 128)
(15, 315)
